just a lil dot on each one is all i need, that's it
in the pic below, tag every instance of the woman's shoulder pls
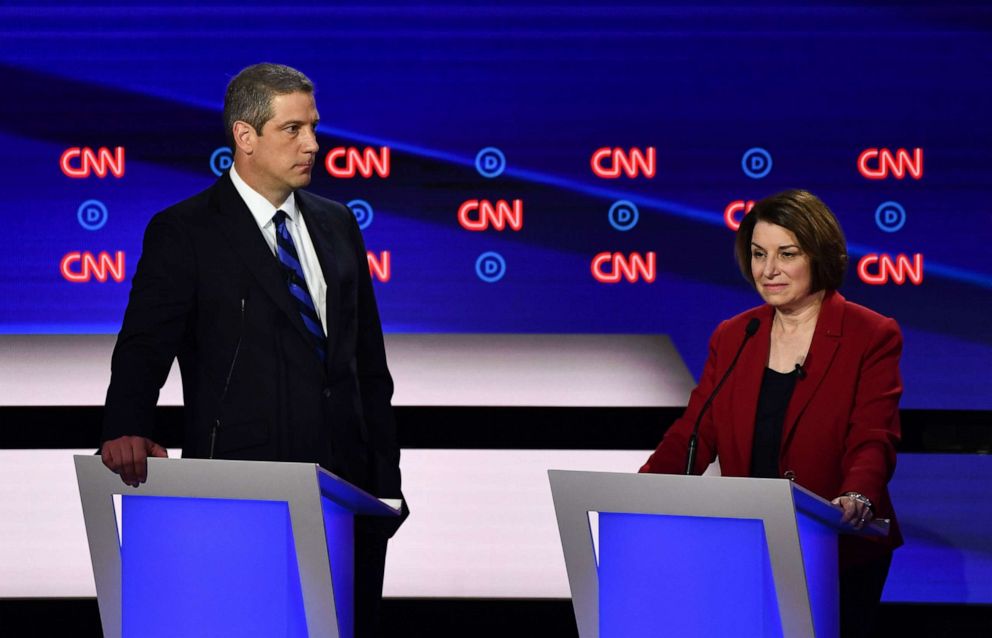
(857, 324)
(861, 318)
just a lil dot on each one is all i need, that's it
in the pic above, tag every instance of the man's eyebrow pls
(315, 121)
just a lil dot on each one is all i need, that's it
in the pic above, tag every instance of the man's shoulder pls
(322, 207)
(189, 209)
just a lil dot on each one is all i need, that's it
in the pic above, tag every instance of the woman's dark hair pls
(815, 227)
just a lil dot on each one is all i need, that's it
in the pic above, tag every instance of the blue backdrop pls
(812, 85)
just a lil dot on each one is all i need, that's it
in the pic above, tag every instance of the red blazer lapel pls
(826, 339)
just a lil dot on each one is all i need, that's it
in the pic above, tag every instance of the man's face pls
(284, 154)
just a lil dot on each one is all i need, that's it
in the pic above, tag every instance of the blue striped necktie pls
(293, 271)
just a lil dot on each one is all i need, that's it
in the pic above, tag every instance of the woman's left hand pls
(857, 510)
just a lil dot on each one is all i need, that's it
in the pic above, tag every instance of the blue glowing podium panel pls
(208, 567)
(641, 580)
(693, 556)
(223, 548)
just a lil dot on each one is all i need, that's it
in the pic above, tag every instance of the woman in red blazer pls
(815, 394)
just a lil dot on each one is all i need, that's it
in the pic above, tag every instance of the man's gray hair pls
(250, 92)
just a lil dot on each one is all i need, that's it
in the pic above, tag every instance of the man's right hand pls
(128, 456)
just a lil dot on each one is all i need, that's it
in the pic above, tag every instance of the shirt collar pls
(262, 209)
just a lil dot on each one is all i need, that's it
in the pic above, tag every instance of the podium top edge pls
(699, 496)
(223, 478)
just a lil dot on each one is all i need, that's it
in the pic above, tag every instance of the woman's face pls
(779, 266)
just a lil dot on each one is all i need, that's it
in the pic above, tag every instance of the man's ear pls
(244, 137)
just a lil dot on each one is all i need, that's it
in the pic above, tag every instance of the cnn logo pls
(610, 163)
(81, 267)
(735, 211)
(611, 268)
(478, 215)
(879, 163)
(346, 162)
(81, 162)
(877, 270)
(380, 266)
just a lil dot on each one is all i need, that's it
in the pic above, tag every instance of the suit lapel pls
(322, 235)
(746, 380)
(823, 347)
(239, 228)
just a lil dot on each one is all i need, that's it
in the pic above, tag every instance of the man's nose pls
(310, 142)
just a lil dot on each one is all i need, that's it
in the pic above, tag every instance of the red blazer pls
(842, 422)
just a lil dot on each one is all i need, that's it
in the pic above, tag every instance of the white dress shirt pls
(263, 210)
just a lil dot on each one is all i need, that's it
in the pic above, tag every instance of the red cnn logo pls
(499, 216)
(633, 162)
(632, 268)
(80, 267)
(898, 270)
(79, 163)
(879, 163)
(733, 209)
(380, 267)
(347, 161)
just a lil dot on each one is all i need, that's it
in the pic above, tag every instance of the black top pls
(776, 390)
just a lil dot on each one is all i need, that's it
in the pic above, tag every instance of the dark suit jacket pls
(201, 259)
(841, 424)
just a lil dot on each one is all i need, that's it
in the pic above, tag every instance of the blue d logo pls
(221, 160)
(490, 162)
(490, 267)
(756, 162)
(890, 216)
(624, 215)
(92, 214)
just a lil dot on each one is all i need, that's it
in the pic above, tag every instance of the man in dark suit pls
(263, 293)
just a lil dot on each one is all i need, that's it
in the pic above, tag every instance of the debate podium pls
(698, 556)
(223, 548)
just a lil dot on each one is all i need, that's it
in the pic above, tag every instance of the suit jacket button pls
(327, 393)
(789, 474)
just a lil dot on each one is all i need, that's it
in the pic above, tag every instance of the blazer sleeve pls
(375, 382)
(155, 322)
(671, 454)
(869, 458)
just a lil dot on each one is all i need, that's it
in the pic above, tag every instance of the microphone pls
(749, 331)
(227, 381)
(800, 371)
